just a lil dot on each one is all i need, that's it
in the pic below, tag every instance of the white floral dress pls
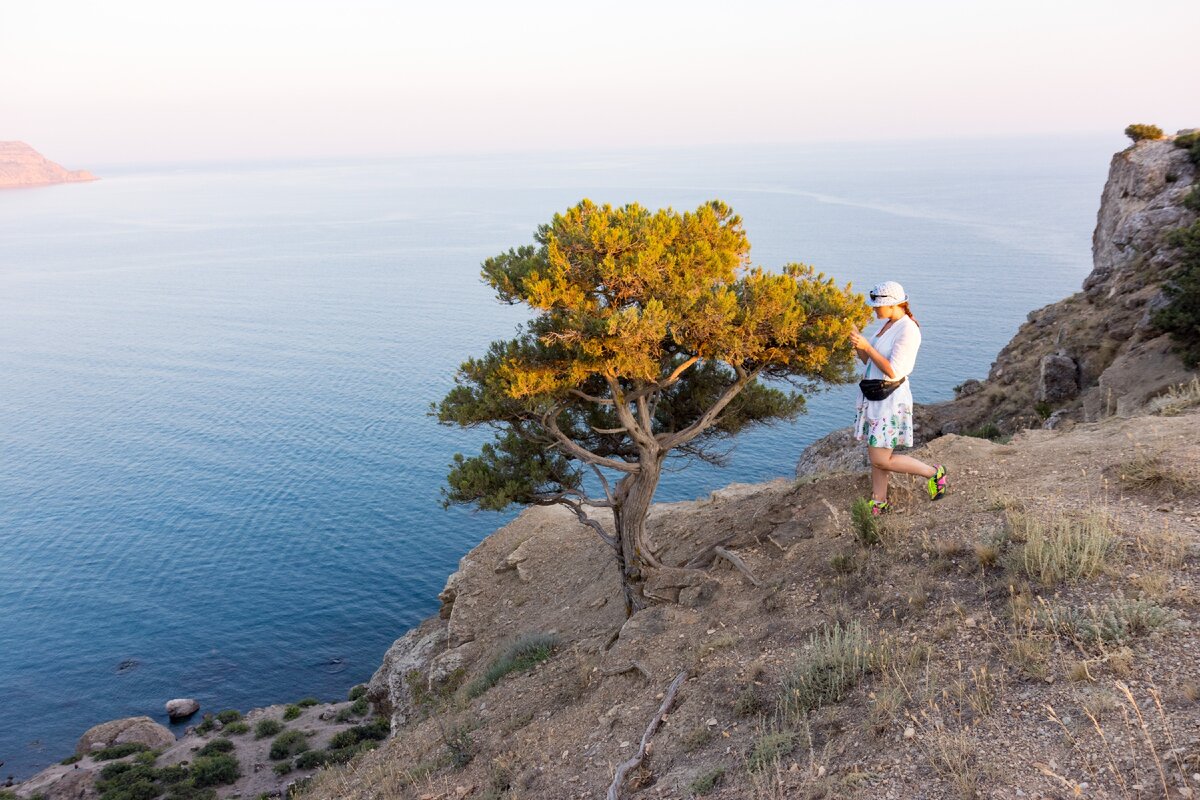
(889, 422)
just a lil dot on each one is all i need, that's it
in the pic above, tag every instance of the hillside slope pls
(976, 671)
(21, 165)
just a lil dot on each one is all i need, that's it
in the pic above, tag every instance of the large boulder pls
(1136, 377)
(181, 708)
(1058, 379)
(136, 730)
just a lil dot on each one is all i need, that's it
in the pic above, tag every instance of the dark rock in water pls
(181, 708)
(128, 665)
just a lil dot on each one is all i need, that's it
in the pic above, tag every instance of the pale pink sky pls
(92, 82)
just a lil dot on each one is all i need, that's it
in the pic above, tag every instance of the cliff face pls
(21, 165)
(1095, 353)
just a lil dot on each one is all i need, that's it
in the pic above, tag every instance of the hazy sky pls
(108, 81)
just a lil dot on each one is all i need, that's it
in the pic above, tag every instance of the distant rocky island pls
(21, 165)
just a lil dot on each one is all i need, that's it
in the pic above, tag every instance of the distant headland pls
(21, 165)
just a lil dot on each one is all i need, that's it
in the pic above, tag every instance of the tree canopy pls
(652, 336)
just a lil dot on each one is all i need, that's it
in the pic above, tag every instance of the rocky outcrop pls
(21, 165)
(1095, 353)
(131, 730)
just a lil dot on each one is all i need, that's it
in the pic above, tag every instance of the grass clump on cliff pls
(1138, 132)
(835, 660)
(1061, 547)
(523, 654)
(1191, 143)
(1116, 620)
(1181, 316)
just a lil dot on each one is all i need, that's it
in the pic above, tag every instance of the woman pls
(886, 424)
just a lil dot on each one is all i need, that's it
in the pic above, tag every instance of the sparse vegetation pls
(770, 747)
(1138, 132)
(228, 715)
(118, 751)
(1061, 547)
(525, 653)
(1181, 316)
(1191, 143)
(358, 692)
(1116, 620)
(1177, 399)
(1149, 473)
(292, 712)
(833, 662)
(215, 770)
(989, 431)
(708, 781)
(236, 728)
(868, 528)
(308, 702)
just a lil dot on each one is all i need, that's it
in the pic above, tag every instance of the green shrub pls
(1191, 200)
(119, 751)
(708, 781)
(459, 746)
(147, 756)
(228, 715)
(1181, 316)
(1139, 132)
(308, 702)
(127, 781)
(868, 528)
(214, 770)
(770, 748)
(1114, 621)
(288, 744)
(291, 712)
(360, 707)
(283, 767)
(357, 691)
(267, 727)
(833, 662)
(216, 746)
(236, 728)
(523, 654)
(988, 431)
(1191, 143)
(68, 760)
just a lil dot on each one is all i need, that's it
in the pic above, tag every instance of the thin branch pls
(674, 376)
(604, 483)
(710, 416)
(738, 564)
(607, 431)
(611, 541)
(614, 789)
(574, 448)
(601, 401)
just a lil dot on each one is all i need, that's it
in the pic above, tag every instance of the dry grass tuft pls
(1061, 547)
(1177, 399)
(1149, 473)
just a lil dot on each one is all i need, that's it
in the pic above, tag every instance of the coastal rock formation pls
(1062, 356)
(181, 708)
(130, 730)
(1091, 355)
(21, 165)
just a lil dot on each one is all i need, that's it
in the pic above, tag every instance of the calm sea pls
(217, 474)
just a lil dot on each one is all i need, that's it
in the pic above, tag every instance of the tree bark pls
(632, 499)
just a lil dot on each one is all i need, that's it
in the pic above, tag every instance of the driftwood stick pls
(632, 666)
(614, 789)
(738, 564)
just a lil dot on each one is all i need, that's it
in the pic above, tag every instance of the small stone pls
(910, 732)
(821, 771)
(624, 744)
(711, 722)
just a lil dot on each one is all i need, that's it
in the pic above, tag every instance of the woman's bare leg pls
(883, 461)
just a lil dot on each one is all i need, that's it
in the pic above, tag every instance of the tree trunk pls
(634, 493)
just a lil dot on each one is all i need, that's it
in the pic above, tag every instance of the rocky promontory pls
(21, 165)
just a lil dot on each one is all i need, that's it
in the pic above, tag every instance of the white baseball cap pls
(888, 293)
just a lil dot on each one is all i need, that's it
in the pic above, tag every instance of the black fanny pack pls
(878, 390)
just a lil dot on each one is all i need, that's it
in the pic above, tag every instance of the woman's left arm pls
(902, 358)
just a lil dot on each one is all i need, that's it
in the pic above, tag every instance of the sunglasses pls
(874, 296)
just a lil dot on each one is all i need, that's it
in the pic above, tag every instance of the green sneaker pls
(938, 484)
(879, 507)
